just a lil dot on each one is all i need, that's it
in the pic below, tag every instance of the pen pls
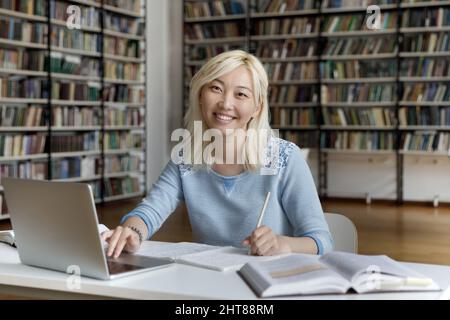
(261, 215)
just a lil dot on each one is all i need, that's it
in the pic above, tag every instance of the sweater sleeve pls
(161, 201)
(301, 202)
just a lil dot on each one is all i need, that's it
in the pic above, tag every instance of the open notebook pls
(335, 272)
(8, 236)
(201, 255)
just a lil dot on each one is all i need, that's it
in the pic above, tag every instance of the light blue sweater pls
(224, 210)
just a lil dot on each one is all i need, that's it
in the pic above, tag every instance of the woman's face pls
(229, 102)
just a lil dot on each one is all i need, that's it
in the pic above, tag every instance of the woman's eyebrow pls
(240, 87)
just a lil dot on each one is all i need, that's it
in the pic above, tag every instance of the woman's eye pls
(241, 94)
(215, 88)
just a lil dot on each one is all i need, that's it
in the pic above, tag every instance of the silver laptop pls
(56, 227)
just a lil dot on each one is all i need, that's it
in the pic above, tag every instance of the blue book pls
(236, 7)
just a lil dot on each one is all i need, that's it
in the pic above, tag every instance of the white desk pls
(174, 282)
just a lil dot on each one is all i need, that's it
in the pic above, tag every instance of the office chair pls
(343, 231)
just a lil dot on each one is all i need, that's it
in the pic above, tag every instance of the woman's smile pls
(223, 118)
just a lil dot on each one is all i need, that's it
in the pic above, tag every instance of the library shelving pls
(338, 86)
(72, 103)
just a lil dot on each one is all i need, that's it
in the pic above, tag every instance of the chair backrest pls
(305, 153)
(343, 231)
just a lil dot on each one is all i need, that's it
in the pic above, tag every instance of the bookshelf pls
(72, 102)
(340, 88)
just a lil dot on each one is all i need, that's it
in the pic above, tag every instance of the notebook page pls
(228, 258)
(172, 250)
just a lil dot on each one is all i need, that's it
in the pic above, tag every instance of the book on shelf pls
(359, 117)
(432, 17)
(425, 141)
(358, 93)
(358, 69)
(21, 116)
(354, 3)
(206, 31)
(121, 186)
(122, 47)
(36, 169)
(121, 23)
(360, 46)
(122, 70)
(21, 87)
(62, 37)
(90, 16)
(130, 5)
(287, 26)
(123, 117)
(21, 144)
(424, 116)
(68, 142)
(358, 141)
(215, 8)
(22, 59)
(75, 167)
(78, 91)
(425, 67)
(287, 48)
(122, 163)
(281, 6)
(31, 7)
(432, 92)
(20, 30)
(334, 272)
(122, 140)
(426, 42)
(123, 94)
(293, 116)
(75, 116)
(357, 22)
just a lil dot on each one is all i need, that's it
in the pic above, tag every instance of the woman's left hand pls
(264, 242)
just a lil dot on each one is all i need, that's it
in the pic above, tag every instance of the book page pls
(376, 272)
(228, 258)
(172, 250)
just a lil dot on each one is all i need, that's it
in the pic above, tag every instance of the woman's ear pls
(257, 111)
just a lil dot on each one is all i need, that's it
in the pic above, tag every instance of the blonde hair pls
(215, 68)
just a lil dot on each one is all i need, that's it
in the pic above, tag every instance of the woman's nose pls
(228, 101)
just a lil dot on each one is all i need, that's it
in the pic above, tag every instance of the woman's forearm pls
(301, 244)
(137, 223)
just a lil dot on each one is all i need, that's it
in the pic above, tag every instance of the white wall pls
(164, 81)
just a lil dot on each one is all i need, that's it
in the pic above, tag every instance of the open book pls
(201, 255)
(7, 236)
(335, 272)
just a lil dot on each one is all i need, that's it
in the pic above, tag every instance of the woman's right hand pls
(121, 238)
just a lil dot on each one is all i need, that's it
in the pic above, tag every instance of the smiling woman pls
(229, 95)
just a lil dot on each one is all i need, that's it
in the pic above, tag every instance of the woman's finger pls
(113, 240)
(106, 234)
(124, 238)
